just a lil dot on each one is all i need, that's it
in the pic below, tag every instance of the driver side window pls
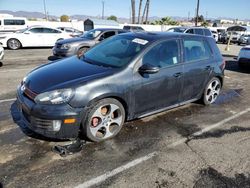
(163, 55)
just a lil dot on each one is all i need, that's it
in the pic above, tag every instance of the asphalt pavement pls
(191, 146)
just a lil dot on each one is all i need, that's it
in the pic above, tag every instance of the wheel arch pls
(112, 96)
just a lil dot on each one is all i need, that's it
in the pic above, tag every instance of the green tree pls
(205, 24)
(165, 21)
(112, 17)
(200, 18)
(64, 18)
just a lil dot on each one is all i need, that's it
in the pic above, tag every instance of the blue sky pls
(212, 8)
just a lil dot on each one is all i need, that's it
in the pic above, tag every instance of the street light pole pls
(103, 9)
(45, 11)
(197, 13)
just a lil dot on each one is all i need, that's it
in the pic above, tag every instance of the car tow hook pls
(70, 149)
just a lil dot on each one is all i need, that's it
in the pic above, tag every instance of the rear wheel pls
(104, 120)
(212, 91)
(14, 44)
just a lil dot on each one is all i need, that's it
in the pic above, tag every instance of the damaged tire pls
(104, 120)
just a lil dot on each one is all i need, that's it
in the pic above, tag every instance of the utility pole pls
(147, 13)
(133, 11)
(139, 12)
(45, 11)
(103, 9)
(197, 13)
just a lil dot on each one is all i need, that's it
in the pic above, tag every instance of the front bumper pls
(39, 118)
(63, 52)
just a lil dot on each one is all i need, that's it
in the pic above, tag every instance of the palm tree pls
(139, 12)
(148, 2)
(133, 11)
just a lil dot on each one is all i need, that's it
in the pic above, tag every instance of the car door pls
(50, 36)
(162, 89)
(32, 37)
(197, 66)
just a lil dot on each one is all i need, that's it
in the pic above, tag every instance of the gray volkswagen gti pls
(79, 45)
(127, 76)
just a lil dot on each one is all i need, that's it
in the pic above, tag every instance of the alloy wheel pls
(106, 121)
(213, 91)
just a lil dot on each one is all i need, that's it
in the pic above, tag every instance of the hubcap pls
(106, 121)
(213, 91)
(13, 44)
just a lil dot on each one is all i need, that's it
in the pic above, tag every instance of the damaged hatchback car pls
(127, 76)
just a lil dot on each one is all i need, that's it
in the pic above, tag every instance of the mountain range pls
(39, 15)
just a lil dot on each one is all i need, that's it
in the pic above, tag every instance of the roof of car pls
(152, 36)
(192, 27)
(106, 29)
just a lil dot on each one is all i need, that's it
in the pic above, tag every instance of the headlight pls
(54, 97)
(65, 46)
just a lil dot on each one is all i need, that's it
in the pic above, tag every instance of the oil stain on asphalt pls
(211, 178)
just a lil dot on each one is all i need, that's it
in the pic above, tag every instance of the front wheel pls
(104, 120)
(212, 91)
(82, 51)
(14, 44)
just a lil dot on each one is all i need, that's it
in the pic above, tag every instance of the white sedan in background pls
(36, 36)
(244, 56)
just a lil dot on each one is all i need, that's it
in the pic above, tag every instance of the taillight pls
(223, 65)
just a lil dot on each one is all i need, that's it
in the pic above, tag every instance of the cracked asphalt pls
(219, 157)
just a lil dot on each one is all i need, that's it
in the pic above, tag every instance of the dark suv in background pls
(127, 76)
(79, 45)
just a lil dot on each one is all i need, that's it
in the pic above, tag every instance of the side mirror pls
(148, 69)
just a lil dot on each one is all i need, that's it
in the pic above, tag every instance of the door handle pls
(178, 74)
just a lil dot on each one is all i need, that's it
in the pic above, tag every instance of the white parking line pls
(135, 162)
(116, 171)
(7, 100)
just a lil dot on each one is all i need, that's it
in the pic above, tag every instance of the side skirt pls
(167, 108)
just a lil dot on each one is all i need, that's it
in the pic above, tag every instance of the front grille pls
(30, 94)
(42, 123)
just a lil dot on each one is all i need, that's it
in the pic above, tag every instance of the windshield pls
(91, 34)
(116, 51)
(177, 29)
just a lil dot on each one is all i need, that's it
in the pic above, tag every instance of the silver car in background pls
(243, 39)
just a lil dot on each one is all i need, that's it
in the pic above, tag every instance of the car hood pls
(72, 40)
(67, 73)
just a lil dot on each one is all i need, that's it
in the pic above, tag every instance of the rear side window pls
(36, 30)
(190, 31)
(207, 32)
(199, 31)
(126, 27)
(196, 50)
(14, 22)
